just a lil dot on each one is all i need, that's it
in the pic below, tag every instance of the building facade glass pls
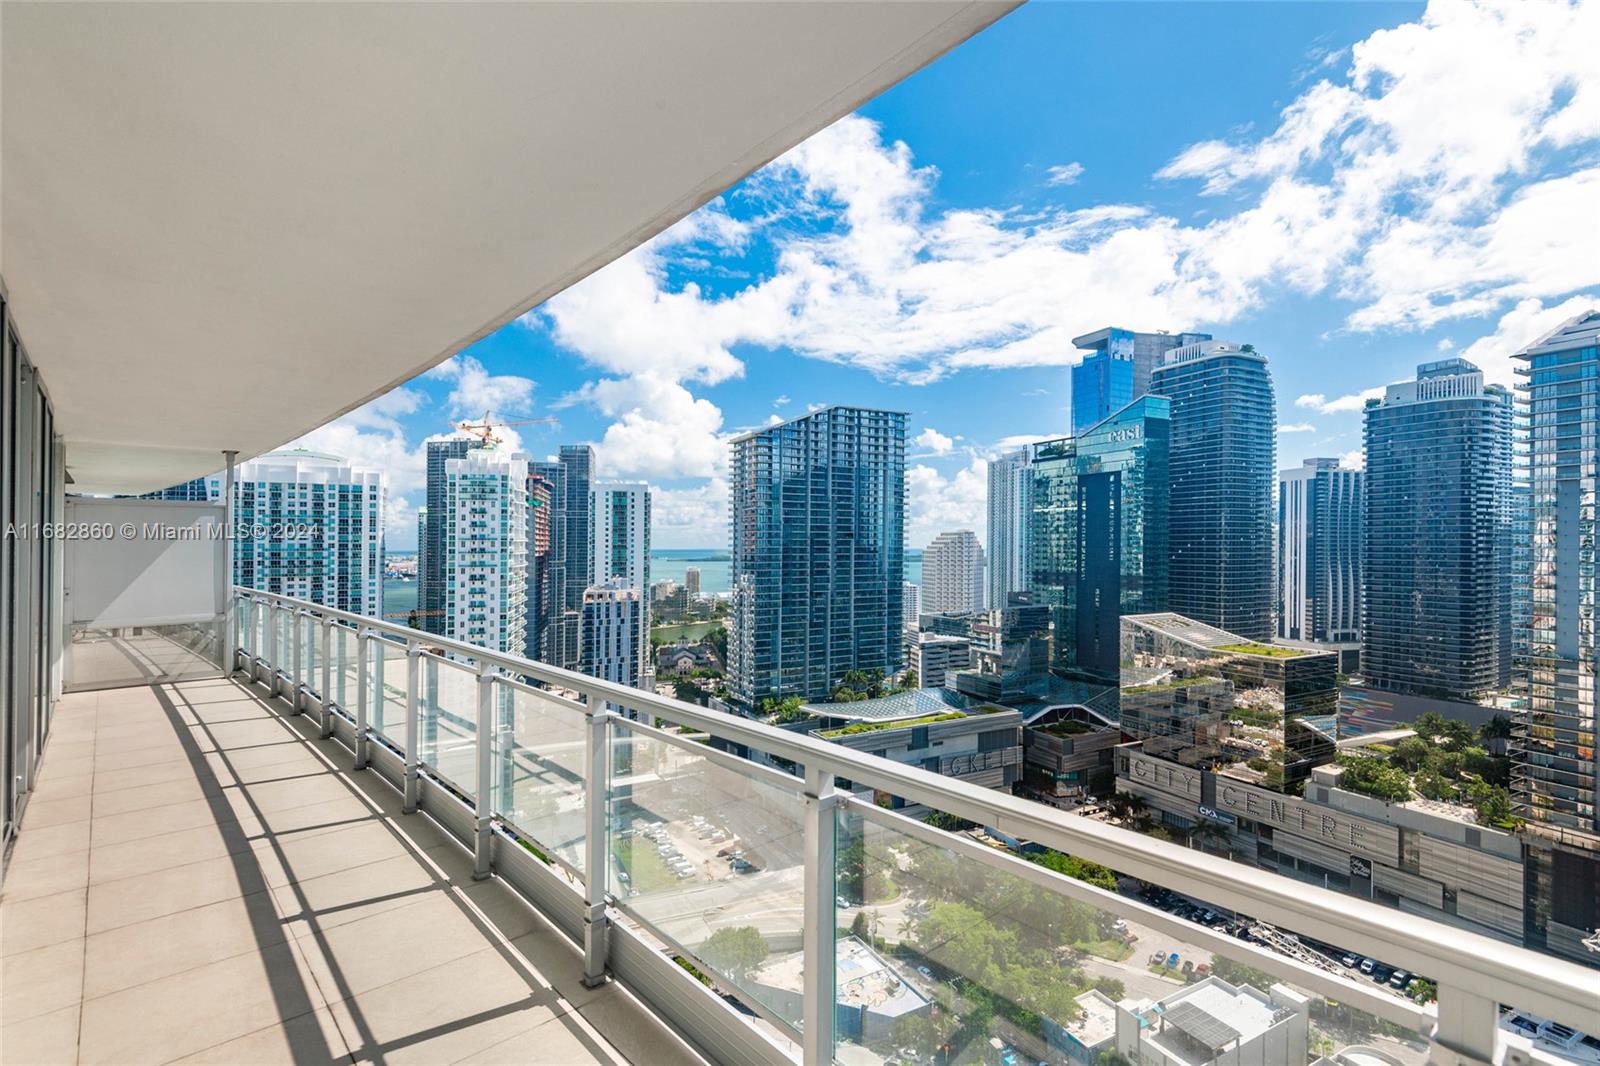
(1554, 768)
(1099, 529)
(1437, 557)
(1224, 450)
(1116, 371)
(1010, 506)
(818, 533)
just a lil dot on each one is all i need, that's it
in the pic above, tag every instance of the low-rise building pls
(1070, 752)
(1213, 1021)
(934, 656)
(871, 998)
(933, 729)
(682, 659)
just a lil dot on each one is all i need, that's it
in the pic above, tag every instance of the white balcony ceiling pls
(224, 225)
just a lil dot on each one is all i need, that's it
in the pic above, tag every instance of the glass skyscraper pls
(1437, 559)
(1099, 530)
(1117, 370)
(1554, 774)
(1224, 450)
(818, 532)
(577, 464)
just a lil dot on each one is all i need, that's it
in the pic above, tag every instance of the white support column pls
(327, 677)
(225, 598)
(297, 635)
(363, 693)
(413, 712)
(1468, 1030)
(817, 941)
(483, 743)
(596, 851)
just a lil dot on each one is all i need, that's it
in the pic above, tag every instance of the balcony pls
(376, 843)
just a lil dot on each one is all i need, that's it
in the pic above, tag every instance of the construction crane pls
(484, 430)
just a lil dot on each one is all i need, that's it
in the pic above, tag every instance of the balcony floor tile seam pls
(234, 817)
(202, 1056)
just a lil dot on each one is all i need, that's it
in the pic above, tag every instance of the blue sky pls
(1352, 188)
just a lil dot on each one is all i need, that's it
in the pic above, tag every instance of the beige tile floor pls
(199, 879)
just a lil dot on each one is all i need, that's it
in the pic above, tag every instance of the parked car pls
(1400, 979)
(1366, 966)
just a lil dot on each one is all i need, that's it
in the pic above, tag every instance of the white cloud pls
(935, 503)
(933, 442)
(371, 437)
(660, 429)
(1405, 181)
(1354, 401)
(476, 390)
(1445, 344)
(1519, 327)
(1298, 427)
(1065, 174)
(1355, 459)
(780, 401)
(692, 517)
(1018, 440)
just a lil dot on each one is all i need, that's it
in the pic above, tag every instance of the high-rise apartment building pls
(431, 577)
(1554, 771)
(1319, 553)
(577, 479)
(1437, 557)
(415, 618)
(818, 535)
(1224, 449)
(910, 604)
(620, 536)
(1010, 507)
(1116, 371)
(310, 526)
(541, 492)
(1099, 527)
(484, 554)
(615, 632)
(691, 582)
(952, 574)
(554, 620)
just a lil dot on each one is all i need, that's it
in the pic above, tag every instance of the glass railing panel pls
(712, 859)
(97, 657)
(947, 955)
(539, 769)
(447, 728)
(386, 692)
(311, 654)
(260, 622)
(344, 668)
(281, 620)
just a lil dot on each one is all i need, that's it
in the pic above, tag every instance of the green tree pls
(1076, 868)
(1496, 728)
(1110, 987)
(1374, 777)
(1237, 973)
(735, 950)
(1411, 753)
(1423, 991)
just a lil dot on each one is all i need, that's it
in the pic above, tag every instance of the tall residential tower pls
(952, 574)
(1224, 450)
(1116, 371)
(1319, 553)
(1010, 508)
(1437, 557)
(818, 536)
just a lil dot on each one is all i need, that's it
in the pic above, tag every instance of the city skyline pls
(1059, 228)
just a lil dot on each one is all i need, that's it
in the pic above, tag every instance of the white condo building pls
(613, 633)
(619, 541)
(485, 549)
(1318, 553)
(1010, 508)
(910, 604)
(310, 525)
(952, 574)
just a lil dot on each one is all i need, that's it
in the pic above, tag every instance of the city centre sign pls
(1309, 820)
(1235, 799)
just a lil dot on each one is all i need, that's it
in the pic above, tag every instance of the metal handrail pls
(1471, 970)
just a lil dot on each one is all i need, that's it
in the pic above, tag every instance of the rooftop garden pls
(1446, 761)
(1250, 647)
(1172, 683)
(856, 728)
(1068, 729)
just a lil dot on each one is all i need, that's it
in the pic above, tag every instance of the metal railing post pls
(413, 708)
(817, 942)
(297, 630)
(596, 852)
(269, 652)
(1467, 1032)
(327, 677)
(363, 694)
(482, 745)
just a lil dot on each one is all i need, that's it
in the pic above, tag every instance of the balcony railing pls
(844, 930)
